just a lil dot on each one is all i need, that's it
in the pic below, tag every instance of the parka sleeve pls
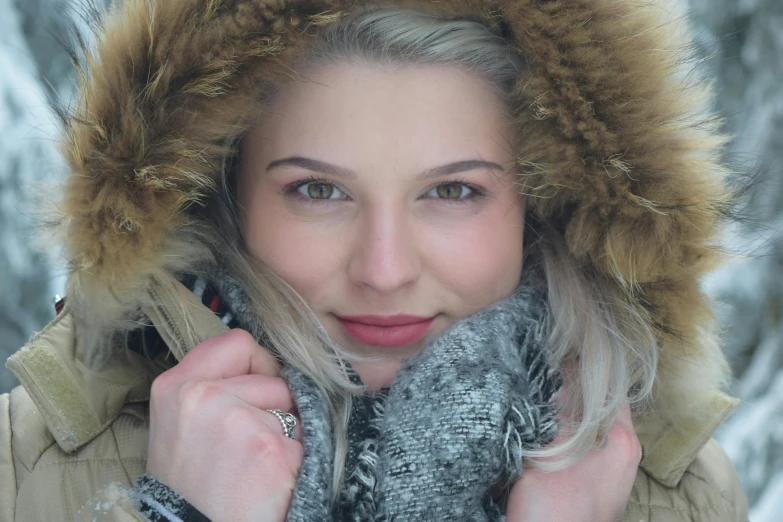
(160, 503)
(709, 491)
(156, 502)
(7, 469)
(113, 503)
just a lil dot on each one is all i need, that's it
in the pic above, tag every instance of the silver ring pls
(287, 420)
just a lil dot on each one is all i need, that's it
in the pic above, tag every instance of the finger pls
(271, 420)
(623, 444)
(259, 391)
(264, 393)
(227, 355)
(624, 417)
(524, 502)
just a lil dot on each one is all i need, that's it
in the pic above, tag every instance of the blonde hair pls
(607, 351)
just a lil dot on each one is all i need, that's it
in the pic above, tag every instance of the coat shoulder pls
(25, 433)
(34, 467)
(709, 491)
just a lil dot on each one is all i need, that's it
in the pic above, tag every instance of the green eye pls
(451, 191)
(320, 190)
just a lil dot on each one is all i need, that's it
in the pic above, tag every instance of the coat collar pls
(78, 402)
(669, 449)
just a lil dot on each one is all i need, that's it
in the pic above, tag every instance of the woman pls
(333, 261)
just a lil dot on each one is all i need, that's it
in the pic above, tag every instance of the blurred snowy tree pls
(743, 43)
(747, 38)
(31, 65)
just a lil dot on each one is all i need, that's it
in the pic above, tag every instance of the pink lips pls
(389, 330)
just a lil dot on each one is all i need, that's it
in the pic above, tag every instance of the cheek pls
(481, 256)
(292, 247)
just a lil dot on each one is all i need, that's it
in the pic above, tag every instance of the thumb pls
(227, 355)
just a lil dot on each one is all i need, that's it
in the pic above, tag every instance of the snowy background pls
(742, 41)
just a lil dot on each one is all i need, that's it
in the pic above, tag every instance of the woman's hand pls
(210, 438)
(595, 489)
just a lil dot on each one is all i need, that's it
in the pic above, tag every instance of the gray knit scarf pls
(451, 426)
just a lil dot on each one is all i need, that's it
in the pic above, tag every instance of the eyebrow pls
(342, 172)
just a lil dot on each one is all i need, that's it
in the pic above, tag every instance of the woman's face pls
(379, 193)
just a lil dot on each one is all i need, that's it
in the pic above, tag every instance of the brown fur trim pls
(616, 148)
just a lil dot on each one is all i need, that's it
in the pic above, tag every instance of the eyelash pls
(292, 190)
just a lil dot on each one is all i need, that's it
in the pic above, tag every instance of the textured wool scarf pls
(452, 424)
(432, 446)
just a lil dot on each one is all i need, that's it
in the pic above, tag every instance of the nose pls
(385, 258)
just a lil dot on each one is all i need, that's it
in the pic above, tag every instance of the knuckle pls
(267, 445)
(232, 337)
(239, 419)
(278, 386)
(203, 347)
(628, 444)
(162, 385)
(238, 336)
(193, 395)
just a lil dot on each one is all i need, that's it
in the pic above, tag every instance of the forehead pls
(347, 107)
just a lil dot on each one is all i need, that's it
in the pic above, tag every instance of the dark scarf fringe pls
(532, 421)
(357, 502)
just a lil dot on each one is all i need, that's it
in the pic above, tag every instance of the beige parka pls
(619, 145)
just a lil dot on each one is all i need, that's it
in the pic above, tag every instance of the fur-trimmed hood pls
(622, 154)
